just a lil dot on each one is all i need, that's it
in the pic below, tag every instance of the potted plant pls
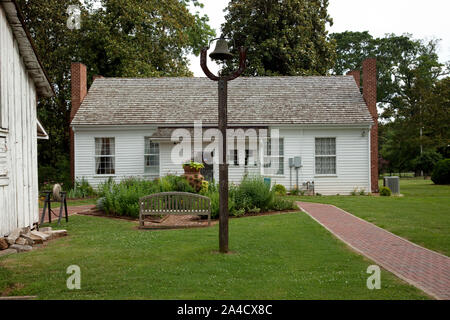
(192, 167)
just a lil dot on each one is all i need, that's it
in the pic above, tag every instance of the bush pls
(213, 194)
(441, 172)
(279, 190)
(82, 189)
(385, 192)
(252, 193)
(175, 183)
(280, 204)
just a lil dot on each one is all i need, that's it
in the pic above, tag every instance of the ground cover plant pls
(252, 195)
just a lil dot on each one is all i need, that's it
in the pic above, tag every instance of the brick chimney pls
(370, 96)
(79, 92)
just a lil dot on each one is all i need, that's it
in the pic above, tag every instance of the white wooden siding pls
(352, 158)
(19, 188)
(129, 153)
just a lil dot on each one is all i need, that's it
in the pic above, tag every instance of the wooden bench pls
(174, 203)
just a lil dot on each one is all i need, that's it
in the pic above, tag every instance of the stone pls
(24, 240)
(21, 248)
(45, 229)
(12, 237)
(24, 230)
(41, 235)
(36, 239)
(59, 233)
(4, 244)
(7, 252)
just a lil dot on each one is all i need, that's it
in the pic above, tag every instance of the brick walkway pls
(423, 268)
(70, 211)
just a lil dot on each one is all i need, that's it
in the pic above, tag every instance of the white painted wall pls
(352, 156)
(129, 153)
(352, 151)
(18, 137)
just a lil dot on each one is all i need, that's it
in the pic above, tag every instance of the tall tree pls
(286, 37)
(118, 38)
(408, 71)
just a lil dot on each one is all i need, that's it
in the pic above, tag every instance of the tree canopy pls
(118, 38)
(282, 37)
(412, 92)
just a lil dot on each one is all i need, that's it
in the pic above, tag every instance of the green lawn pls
(422, 215)
(285, 256)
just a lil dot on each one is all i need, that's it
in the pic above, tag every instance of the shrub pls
(82, 189)
(123, 198)
(175, 183)
(441, 172)
(280, 204)
(214, 196)
(385, 192)
(279, 189)
(252, 193)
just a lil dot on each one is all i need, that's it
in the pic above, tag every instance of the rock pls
(59, 233)
(45, 229)
(14, 235)
(36, 239)
(21, 248)
(24, 240)
(24, 230)
(4, 244)
(7, 252)
(41, 235)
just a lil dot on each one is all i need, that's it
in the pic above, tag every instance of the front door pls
(208, 171)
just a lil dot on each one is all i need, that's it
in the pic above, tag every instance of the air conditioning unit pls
(392, 183)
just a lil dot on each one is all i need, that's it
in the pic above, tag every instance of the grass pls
(422, 215)
(286, 256)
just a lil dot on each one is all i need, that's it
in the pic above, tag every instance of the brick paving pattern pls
(70, 211)
(423, 268)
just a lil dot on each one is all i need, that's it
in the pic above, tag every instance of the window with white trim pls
(105, 156)
(151, 157)
(273, 160)
(249, 159)
(325, 156)
(3, 157)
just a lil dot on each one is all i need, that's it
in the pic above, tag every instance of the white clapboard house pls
(22, 81)
(125, 127)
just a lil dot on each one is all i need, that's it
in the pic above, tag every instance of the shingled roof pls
(251, 101)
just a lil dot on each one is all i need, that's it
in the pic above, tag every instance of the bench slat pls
(181, 203)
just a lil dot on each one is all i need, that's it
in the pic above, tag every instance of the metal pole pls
(223, 168)
(223, 165)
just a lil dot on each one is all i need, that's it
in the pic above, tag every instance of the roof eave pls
(27, 49)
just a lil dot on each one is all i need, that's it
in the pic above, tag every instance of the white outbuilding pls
(22, 81)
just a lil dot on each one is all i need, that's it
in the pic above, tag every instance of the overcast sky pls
(423, 19)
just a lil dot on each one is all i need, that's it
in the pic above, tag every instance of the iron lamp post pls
(222, 53)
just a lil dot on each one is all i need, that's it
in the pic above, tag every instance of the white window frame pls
(150, 141)
(4, 162)
(112, 155)
(335, 174)
(266, 155)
